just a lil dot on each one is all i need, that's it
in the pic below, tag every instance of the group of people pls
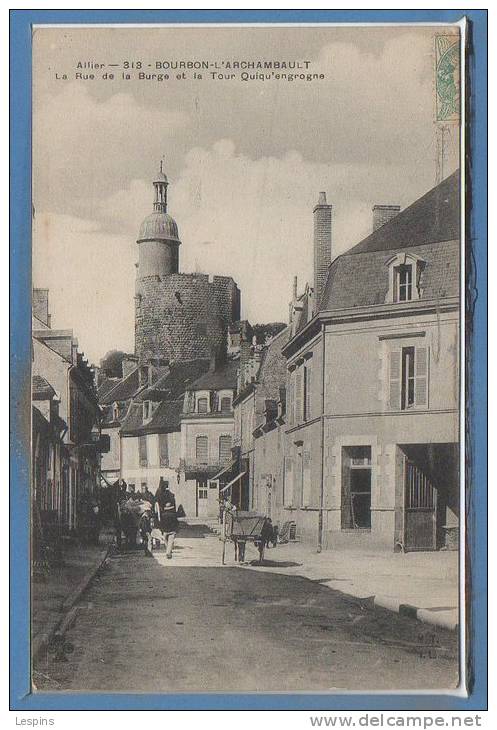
(145, 513)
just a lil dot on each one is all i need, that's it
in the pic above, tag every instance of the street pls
(191, 625)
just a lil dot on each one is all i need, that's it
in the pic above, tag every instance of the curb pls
(61, 623)
(421, 614)
(449, 621)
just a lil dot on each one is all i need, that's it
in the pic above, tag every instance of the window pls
(202, 405)
(163, 450)
(147, 410)
(407, 388)
(403, 283)
(224, 448)
(202, 449)
(408, 378)
(356, 487)
(142, 450)
(226, 403)
(202, 489)
(143, 487)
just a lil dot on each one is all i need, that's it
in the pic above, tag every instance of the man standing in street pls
(168, 519)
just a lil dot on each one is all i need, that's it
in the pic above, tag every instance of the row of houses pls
(66, 441)
(171, 420)
(351, 427)
(346, 423)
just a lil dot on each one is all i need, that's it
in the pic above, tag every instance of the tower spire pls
(160, 185)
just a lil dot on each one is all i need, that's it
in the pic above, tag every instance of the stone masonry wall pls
(183, 316)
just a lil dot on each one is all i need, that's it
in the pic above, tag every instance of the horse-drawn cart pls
(242, 527)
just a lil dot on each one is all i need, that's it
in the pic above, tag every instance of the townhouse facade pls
(373, 388)
(150, 429)
(67, 441)
(207, 427)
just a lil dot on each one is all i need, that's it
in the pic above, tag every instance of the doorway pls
(356, 488)
(207, 499)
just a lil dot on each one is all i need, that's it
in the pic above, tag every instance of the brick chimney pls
(129, 363)
(322, 246)
(382, 214)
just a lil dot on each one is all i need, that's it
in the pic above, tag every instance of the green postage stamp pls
(447, 55)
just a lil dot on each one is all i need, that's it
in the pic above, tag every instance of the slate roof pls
(219, 379)
(272, 371)
(433, 217)
(429, 228)
(106, 386)
(175, 381)
(123, 390)
(165, 419)
(42, 390)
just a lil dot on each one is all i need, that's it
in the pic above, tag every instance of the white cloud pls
(83, 147)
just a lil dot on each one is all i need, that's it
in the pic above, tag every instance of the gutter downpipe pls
(323, 401)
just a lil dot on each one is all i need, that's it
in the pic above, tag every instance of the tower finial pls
(160, 185)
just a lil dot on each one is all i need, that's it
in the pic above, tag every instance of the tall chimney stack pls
(322, 246)
(382, 214)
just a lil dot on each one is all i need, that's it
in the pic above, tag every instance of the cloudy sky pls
(245, 160)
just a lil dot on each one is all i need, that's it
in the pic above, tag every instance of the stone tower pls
(177, 316)
(322, 246)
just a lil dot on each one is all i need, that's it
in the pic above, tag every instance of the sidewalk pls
(54, 595)
(422, 585)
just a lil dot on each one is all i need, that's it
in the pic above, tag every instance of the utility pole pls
(440, 162)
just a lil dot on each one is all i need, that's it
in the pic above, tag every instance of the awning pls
(242, 473)
(226, 468)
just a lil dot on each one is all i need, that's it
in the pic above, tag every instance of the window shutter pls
(308, 390)
(421, 376)
(298, 394)
(142, 449)
(394, 377)
(224, 448)
(202, 449)
(163, 450)
(288, 481)
(306, 478)
(290, 399)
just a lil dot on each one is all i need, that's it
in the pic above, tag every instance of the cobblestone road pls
(191, 625)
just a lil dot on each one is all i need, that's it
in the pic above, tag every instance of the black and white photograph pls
(248, 348)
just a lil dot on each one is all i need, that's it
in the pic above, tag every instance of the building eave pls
(370, 312)
(245, 393)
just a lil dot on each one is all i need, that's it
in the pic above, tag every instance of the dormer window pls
(202, 405)
(147, 410)
(404, 278)
(226, 403)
